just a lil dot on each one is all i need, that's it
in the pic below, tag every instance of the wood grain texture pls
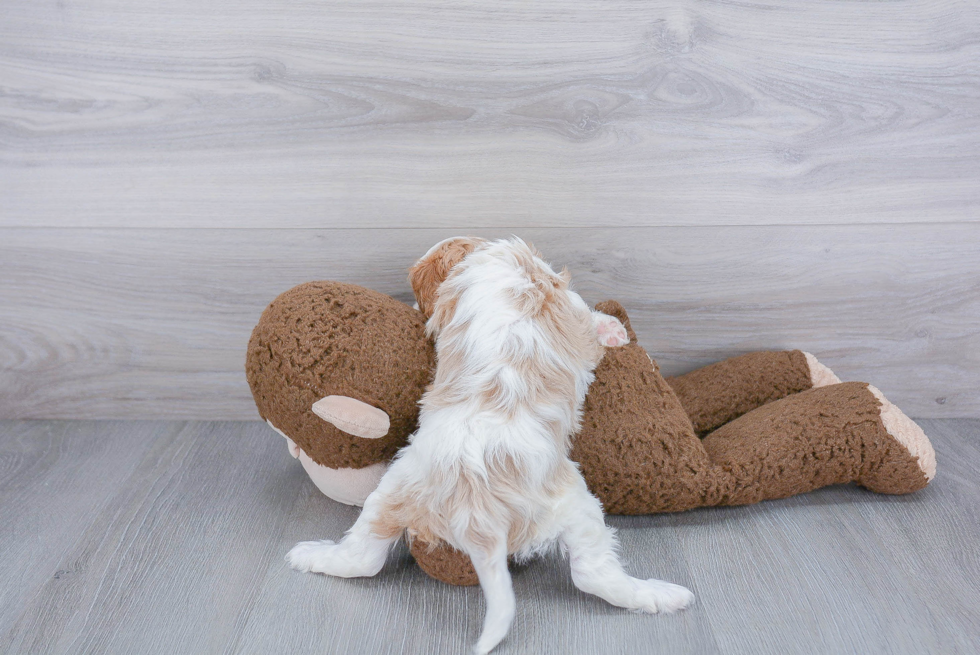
(167, 565)
(184, 554)
(470, 115)
(55, 478)
(154, 323)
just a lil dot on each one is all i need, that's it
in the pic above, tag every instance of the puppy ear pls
(543, 288)
(443, 310)
(566, 276)
(433, 269)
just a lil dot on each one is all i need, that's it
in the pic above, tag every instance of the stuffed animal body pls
(338, 370)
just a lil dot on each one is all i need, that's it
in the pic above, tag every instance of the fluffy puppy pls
(488, 469)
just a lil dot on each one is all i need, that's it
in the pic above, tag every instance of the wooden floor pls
(168, 537)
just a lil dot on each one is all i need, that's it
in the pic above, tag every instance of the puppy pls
(488, 470)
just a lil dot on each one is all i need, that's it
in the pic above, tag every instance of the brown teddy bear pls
(338, 370)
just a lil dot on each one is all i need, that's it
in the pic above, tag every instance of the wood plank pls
(55, 479)
(185, 555)
(843, 569)
(154, 323)
(428, 114)
(167, 566)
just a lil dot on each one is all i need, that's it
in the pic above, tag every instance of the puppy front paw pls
(311, 556)
(612, 334)
(655, 596)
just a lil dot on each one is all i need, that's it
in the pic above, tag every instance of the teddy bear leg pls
(721, 392)
(888, 478)
(829, 435)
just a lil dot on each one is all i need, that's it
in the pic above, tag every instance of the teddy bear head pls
(338, 370)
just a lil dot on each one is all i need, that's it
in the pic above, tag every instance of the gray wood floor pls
(168, 537)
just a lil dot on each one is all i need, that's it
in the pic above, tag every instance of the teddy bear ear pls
(613, 308)
(353, 416)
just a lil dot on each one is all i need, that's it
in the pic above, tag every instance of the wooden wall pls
(776, 174)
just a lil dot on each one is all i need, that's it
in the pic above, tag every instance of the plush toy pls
(338, 370)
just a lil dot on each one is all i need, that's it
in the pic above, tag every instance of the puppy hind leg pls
(362, 552)
(596, 568)
(498, 590)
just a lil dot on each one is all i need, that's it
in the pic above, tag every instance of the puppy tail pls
(491, 568)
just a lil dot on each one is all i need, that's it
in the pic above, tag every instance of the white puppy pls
(488, 470)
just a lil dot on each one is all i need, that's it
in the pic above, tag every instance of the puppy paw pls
(611, 332)
(344, 560)
(311, 556)
(655, 596)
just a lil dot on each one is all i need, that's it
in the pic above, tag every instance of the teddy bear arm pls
(719, 393)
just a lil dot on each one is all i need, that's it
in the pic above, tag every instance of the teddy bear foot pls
(820, 375)
(907, 441)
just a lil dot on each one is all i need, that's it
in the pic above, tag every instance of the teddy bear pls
(338, 370)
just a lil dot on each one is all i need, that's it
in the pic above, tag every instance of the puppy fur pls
(488, 469)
